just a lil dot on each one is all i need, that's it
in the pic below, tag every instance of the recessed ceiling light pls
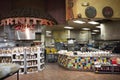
(78, 21)
(68, 27)
(93, 22)
(96, 30)
(85, 28)
(48, 31)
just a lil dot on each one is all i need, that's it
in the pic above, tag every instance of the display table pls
(84, 61)
(8, 69)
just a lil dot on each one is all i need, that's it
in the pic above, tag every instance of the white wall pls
(110, 31)
(81, 36)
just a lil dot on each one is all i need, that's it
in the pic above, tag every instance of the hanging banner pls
(25, 20)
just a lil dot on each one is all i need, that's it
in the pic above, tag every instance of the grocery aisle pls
(54, 72)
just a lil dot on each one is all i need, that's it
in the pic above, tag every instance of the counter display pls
(84, 61)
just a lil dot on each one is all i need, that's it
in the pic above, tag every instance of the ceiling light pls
(98, 27)
(5, 40)
(96, 30)
(48, 31)
(93, 22)
(93, 33)
(78, 21)
(85, 28)
(85, 4)
(67, 27)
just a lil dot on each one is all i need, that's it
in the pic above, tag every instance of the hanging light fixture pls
(93, 33)
(93, 22)
(86, 29)
(96, 31)
(68, 27)
(79, 21)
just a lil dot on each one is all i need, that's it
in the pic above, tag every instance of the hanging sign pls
(25, 20)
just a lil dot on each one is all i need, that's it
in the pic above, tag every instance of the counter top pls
(8, 68)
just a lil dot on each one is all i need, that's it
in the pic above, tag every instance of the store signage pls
(25, 20)
(23, 27)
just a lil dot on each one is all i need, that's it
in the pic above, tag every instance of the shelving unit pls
(5, 55)
(5, 59)
(34, 59)
(30, 59)
(18, 57)
(41, 59)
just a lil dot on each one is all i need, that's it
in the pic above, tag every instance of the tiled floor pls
(55, 72)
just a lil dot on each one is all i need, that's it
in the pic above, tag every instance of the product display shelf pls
(63, 60)
(30, 59)
(42, 66)
(18, 57)
(32, 68)
(5, 59)
(5, 55)
(81, 63)
(41, 59)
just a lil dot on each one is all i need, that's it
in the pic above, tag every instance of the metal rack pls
(30, 59)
